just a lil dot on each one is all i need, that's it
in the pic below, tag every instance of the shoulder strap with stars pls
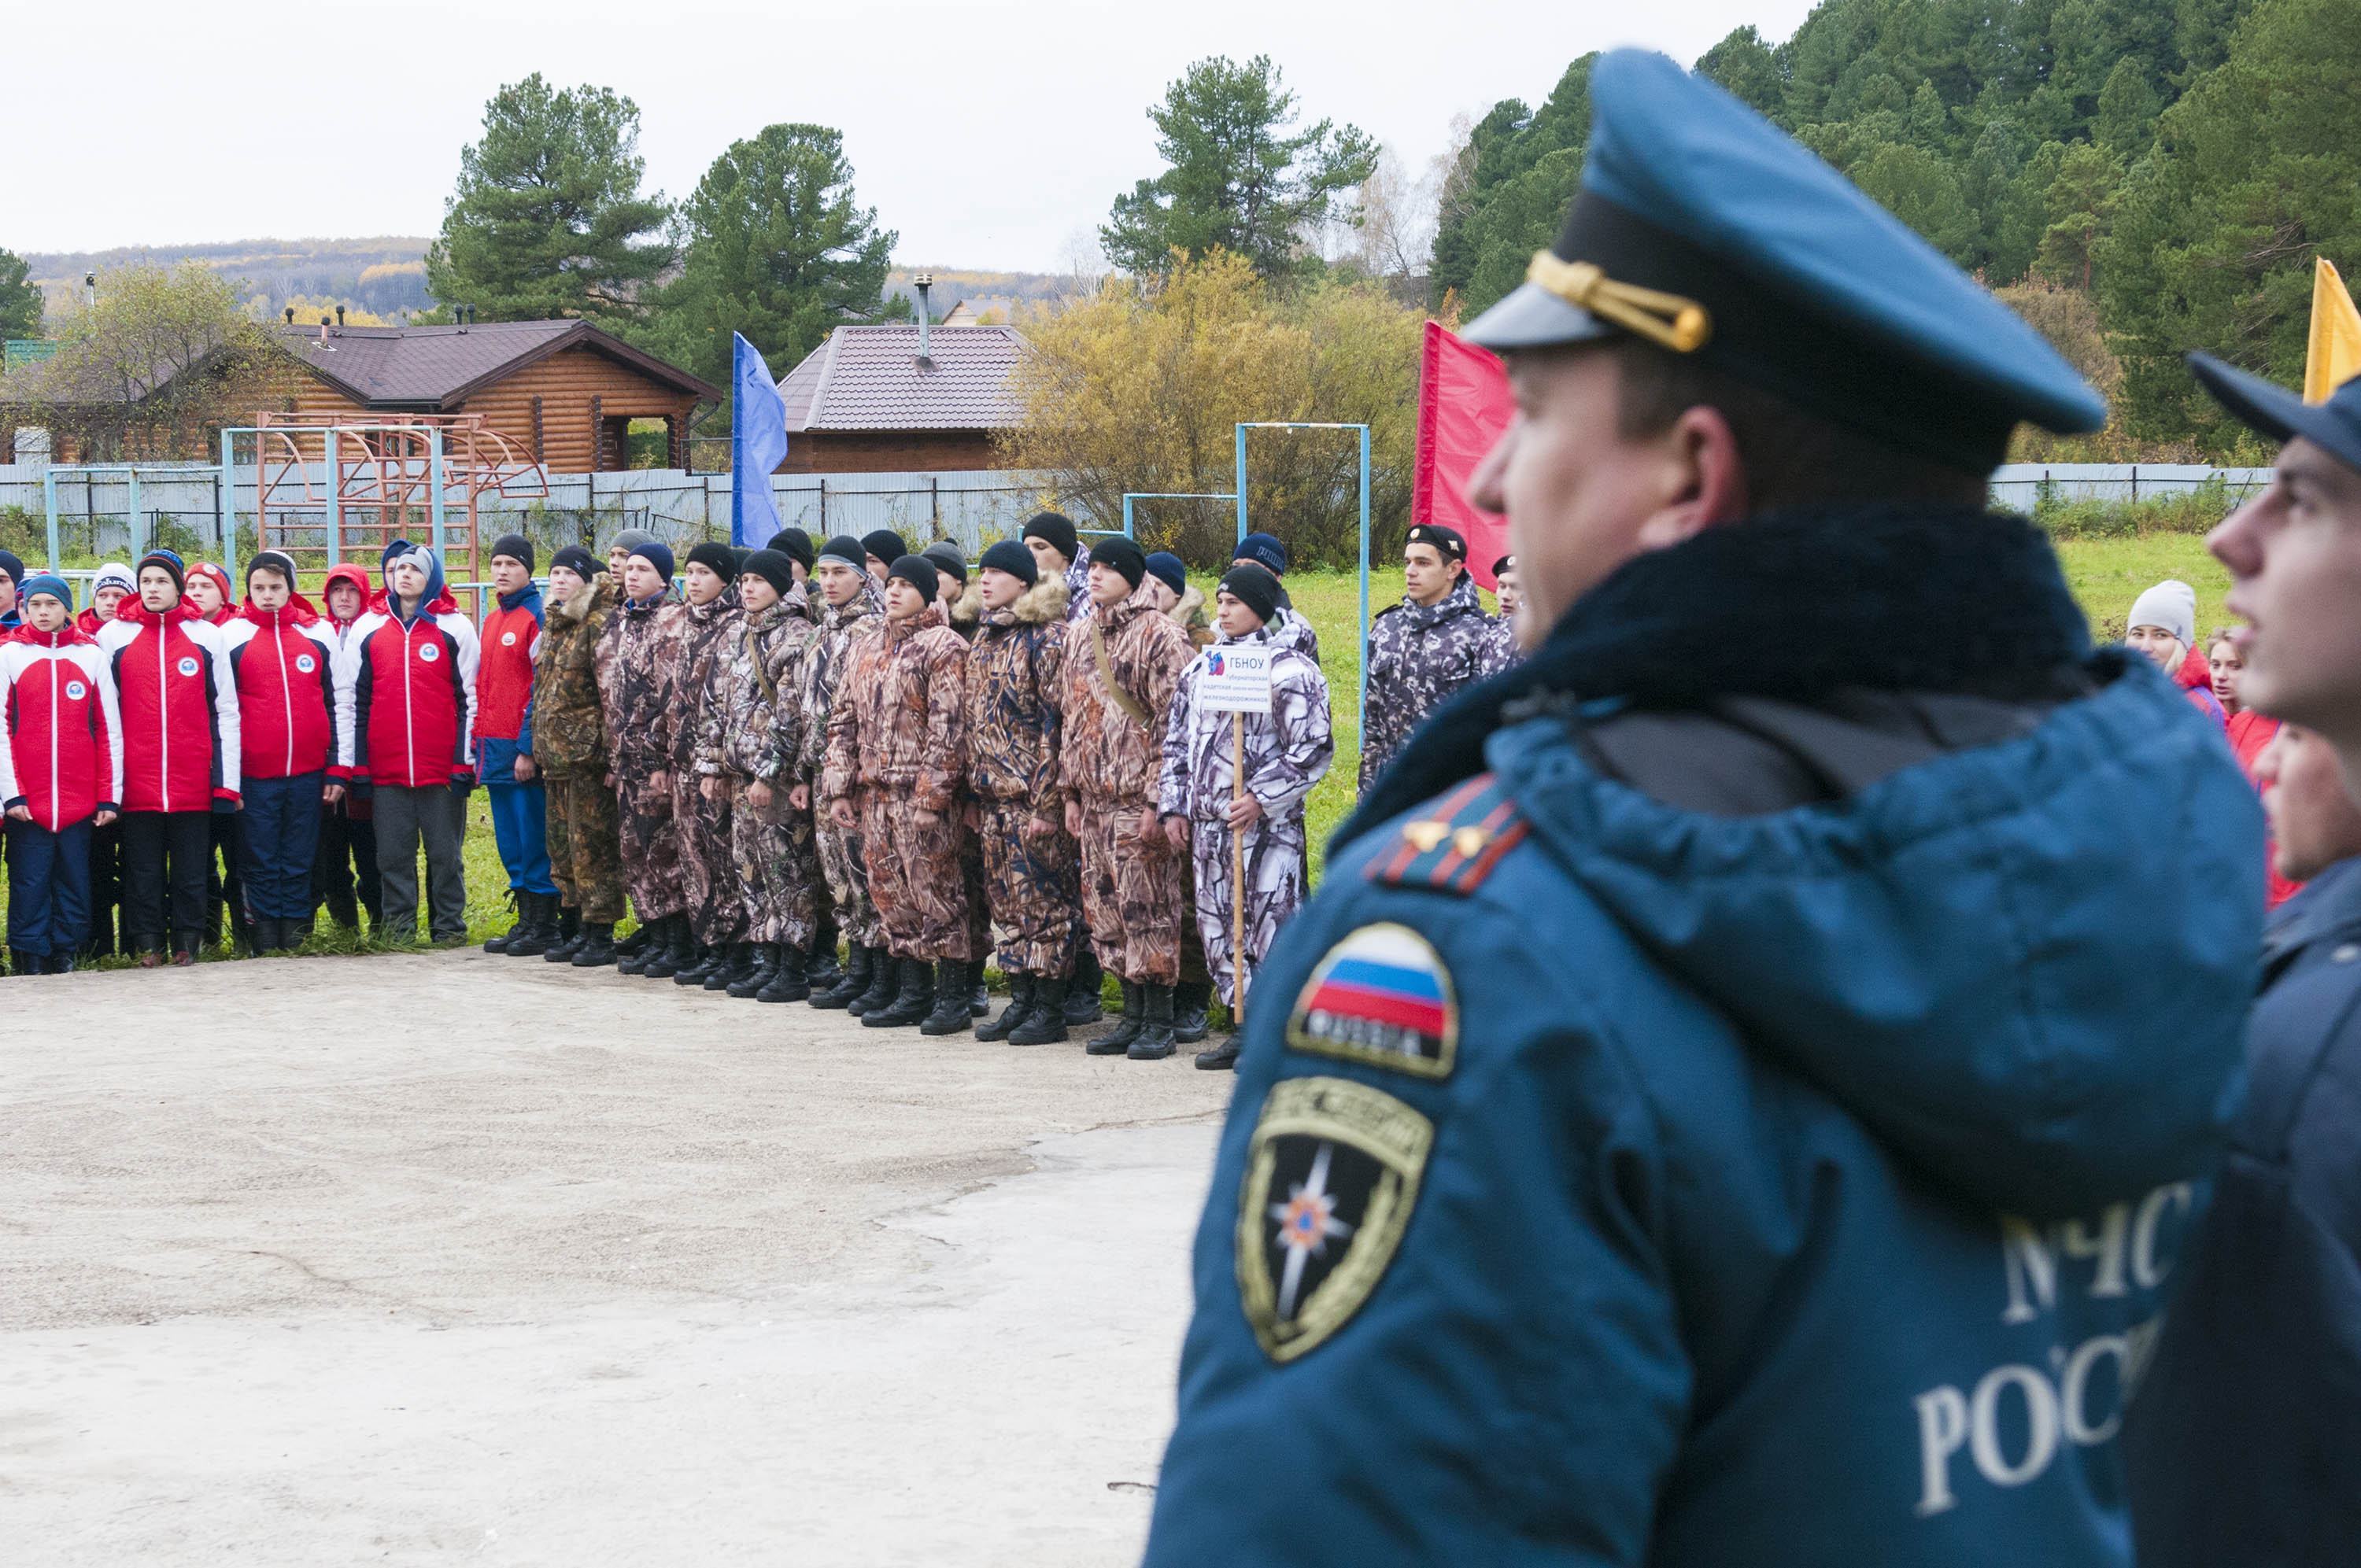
(1454, 842)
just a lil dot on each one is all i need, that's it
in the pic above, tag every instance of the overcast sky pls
(989, 135)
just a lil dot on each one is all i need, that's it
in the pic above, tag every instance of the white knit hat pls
(114, 574)
(2172, 604)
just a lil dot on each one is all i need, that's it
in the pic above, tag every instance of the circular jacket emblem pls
(76, 690)
(187, 666)
(429, 651)
(305, 662)
(1331, 1175)
(507, 639)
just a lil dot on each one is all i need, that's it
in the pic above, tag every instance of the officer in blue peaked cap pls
(1736, 1095)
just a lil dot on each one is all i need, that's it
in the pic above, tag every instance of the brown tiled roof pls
(429, 369)
(868, 378)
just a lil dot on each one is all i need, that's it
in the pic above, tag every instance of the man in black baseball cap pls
(2244, 1436)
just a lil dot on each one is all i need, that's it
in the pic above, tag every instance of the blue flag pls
(758, 444)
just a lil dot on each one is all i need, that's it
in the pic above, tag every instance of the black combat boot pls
(1222, 1057)
(979, 997)
(1082, 992)
(851, 984)
(885, 984)
(914, 996)
(537, 930)
(671, 952)
(1117, 1040)
(1191, 998)
(1154, 1042)
(950, 1014)
(758, 974)
(1020, 1005)
(594, 949)
(704, 962)
(1046, 1023)
(568, 940)
(517, 905)
(633, 946)
(734, 962)
(643, 947)
(820, 968)
(791, 981)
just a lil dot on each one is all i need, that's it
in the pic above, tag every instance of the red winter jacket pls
(288, 700)
(2195, 679)
(63, 752)
(179, 702)
(2250, 733)
(413, 696)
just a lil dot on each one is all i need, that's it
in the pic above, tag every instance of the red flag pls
(1464, 404)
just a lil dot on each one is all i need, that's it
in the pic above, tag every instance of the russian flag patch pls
(1383, 997)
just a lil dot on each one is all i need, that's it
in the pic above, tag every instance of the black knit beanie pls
(773, 568)
(1058, 529)
(1014, 559)
(947, 557)
(271, 560)
(1253, 586)
(794, 544)
(578, 561)
(918, 571)
(1121, 555)
(844, 547)
(516, 547)
(886, 545)
(719, 559)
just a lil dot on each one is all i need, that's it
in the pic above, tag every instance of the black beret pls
(1446, 540)
(1121, 555)
(947, 557)
(576, 560)
(844, 547)
(772, 566)
(794, 544)
(1253, 584)
(1505, 564)
(886, 545)
(1013, 558)
(918, 571)
(516, 547)
(717, 558)
(1055, 527)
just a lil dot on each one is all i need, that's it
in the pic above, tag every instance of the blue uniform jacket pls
(2244, 1445)
(1645, 1186)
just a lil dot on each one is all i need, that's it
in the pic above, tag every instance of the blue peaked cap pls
(1807, 286)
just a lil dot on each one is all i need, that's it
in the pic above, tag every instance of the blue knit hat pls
(46, 582)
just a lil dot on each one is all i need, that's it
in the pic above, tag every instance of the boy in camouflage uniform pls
(895, 756)
(745, 754)
(1015, 676)
(1423, 650)
(847, 609)
(1127, 658)
(570, 745)
(717, 917)
(1287, 750)
(636, 665)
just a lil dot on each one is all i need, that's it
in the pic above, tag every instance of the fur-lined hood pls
(1043, 604)
(597, 594)
(1190, 614)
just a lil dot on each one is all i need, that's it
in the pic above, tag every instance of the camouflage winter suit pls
(570, 749)
(840, 858)
(752, 721)
(1132, 882)
(707, 879)
(1288, 750)
(894, 750)
(636, 663)
(1015, 677)
(1421, 654)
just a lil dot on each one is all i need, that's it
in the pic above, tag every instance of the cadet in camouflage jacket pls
(837, 629)
(716, 914)
(1419, 655)
(637, 663)
(570, 749)
(1016, 685)
(753, 722)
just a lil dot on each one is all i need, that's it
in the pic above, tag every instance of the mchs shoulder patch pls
(1382, 997)
(1453, 844)
(1332, 1176)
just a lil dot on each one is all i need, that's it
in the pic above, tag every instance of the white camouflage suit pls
(1287, 751)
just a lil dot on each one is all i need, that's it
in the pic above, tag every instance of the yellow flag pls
(2335, 356)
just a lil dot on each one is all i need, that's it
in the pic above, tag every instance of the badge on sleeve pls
(1331, 1175)
(1381, 996)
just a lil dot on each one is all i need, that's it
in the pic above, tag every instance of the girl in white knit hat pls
(2163, 625)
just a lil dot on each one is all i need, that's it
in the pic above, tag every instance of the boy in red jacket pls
(60, 773)
(413, 696)
(344, 871)
(107, 591)
(287, 726)
(180, 757)
(503, 735)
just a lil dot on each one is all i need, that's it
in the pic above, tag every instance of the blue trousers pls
(48, 887)
(278, 837)
(520, 828)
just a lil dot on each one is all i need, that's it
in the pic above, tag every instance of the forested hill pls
(2179, 164)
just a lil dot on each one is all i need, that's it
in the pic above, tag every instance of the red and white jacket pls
(179, 702)
(289, 711)
(64, 759)
(414, 697)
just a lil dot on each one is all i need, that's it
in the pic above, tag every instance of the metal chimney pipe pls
(340, 316)
(925, 282)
